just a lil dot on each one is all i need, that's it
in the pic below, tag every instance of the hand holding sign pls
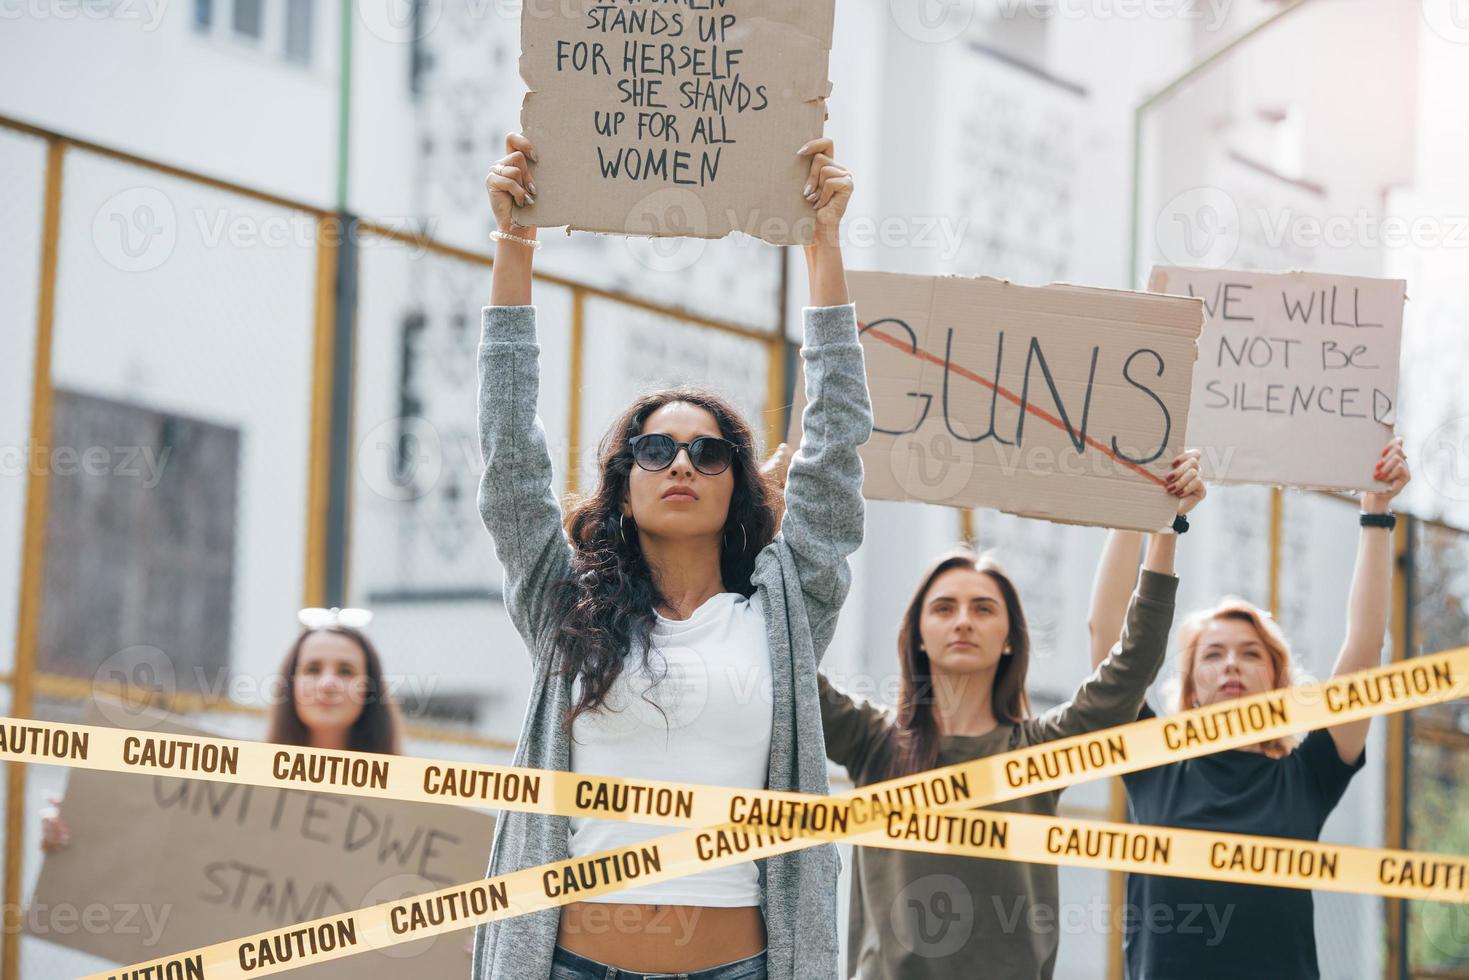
(828, 187)
(509, 183)
(1391, 468)
(1185, 482)
(55, 834)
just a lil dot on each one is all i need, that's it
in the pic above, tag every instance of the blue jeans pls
(567, 965)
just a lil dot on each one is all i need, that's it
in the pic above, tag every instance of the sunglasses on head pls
(656, 451)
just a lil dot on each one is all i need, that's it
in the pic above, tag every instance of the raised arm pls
(854, 729)
(1114, 692)
(1111, 590)
(1117, 569)
(510, 183)
(515, 498)
(516, 502)
(1371, 592)
(829, 188)
(824, 511)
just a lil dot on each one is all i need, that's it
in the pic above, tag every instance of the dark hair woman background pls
(964, 653)
(338, 695)
(334, 697)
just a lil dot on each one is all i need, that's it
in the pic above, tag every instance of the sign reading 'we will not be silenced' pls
(674, 117)
(1297, 380)
(1060, 402)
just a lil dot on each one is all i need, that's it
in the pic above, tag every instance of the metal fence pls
(227, 325)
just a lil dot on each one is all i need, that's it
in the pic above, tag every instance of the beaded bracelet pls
(498, 235)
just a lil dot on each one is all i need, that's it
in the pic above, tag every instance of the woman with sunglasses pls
(673, 634)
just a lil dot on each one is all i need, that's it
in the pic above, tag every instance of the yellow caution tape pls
(737, 825)
(1008, 836)
(979, 782)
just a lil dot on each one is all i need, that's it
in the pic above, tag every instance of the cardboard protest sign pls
(1297, 379)
(674, 118)
(1061, 402)
(202, 862)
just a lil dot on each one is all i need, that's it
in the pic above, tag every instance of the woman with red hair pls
(1280, 788)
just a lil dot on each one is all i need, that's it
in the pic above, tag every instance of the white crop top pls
(716, 695)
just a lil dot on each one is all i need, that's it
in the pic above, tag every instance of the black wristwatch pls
(1180, 524)
(1388, 520)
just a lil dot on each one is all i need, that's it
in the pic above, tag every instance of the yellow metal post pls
(1277, 529)
(33, 548)
(573, 407)
(1116, 886)
(318, 465)
(775, 393)
(1397, 779)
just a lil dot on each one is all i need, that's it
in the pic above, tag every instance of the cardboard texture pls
(1058, 402)
(674, 119)
(215, 861)
(1297, 380)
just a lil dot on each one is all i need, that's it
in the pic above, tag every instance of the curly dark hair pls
(606, 606)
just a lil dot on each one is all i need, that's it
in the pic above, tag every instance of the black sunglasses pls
(656, 451)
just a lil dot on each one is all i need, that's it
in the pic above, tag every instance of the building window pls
(298, 30)
(275, 28)
(248, 19)
(141, 550)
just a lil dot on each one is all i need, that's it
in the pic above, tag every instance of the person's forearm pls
(1368, 601)
(510, 277)
(1161, 549)
(1111, 591)
(826, 276)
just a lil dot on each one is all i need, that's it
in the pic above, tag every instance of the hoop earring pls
(744, 539)
(622, 526)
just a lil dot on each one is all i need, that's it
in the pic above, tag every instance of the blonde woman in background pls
(1281, 788)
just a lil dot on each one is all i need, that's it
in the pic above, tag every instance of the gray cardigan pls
(801, 578)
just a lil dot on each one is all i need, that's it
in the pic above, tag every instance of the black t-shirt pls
(1199, 930)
